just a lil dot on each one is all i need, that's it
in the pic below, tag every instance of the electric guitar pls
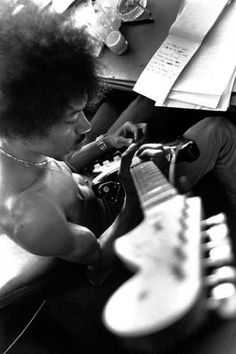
(164, 253)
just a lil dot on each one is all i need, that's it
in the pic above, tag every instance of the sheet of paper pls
(234, 86)
(225, 98)
(211, 68)
(223, 103)
(197, 18)
(171, 58)
(165, 66)
(201, 99)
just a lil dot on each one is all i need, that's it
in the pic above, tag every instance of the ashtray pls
(130, 10)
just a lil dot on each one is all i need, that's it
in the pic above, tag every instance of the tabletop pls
(144, 39)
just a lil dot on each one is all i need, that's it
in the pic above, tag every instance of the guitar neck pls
(151, 185)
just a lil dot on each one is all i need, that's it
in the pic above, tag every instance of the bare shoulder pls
(39, 225)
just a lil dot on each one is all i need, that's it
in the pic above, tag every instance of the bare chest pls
(73, 198)
(72, 194)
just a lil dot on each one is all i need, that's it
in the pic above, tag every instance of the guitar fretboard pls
(152, 187)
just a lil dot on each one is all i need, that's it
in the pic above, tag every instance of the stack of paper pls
(196, 65)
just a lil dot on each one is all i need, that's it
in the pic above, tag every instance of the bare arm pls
(41, 228)
(122, 137)
(86, 156)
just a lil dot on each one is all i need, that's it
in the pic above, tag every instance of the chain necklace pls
(26, 163)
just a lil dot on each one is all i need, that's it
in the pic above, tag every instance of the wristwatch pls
(101, 143)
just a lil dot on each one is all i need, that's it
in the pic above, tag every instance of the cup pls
(116, 42)
(103, 23)
(109, 7)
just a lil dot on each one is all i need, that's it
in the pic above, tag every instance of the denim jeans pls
(216, 140)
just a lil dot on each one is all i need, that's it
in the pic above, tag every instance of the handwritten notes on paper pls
(170, 58)
(164, 67)
(181, 44)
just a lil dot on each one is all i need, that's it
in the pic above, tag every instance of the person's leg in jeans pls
(216, 140)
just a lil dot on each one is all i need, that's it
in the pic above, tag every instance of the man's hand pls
(156, 153)
(153, 152)
(150, 151)
(124, 172)
(127, 134)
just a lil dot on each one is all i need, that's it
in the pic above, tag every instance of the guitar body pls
(167, 279)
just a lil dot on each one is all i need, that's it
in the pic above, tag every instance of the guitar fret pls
(151, 185)
(152, 202)
(157, 191)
